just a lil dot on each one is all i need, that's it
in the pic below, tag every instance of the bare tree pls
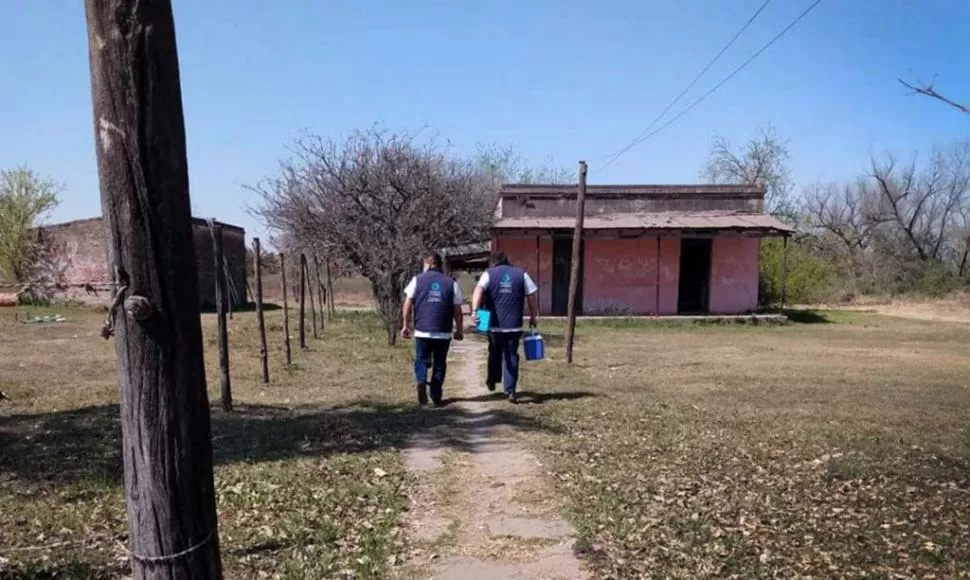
(763, 160)
(923, 204)
(140, 143)
(380, 199)
(928, 90)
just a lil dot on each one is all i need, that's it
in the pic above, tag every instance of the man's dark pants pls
(430, 353)
(503, 359)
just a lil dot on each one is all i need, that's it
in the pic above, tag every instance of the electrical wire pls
(703, 97)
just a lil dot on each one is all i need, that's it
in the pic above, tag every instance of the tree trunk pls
(140, 144)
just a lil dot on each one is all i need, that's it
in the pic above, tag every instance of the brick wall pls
(83, 258)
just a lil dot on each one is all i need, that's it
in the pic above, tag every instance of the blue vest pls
(506, 292)
(434, 302)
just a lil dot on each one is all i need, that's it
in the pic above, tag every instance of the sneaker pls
(438, 402)
(513, 398)
(490, 386)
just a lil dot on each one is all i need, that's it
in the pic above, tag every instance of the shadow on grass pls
(807, 317)
(82, 446)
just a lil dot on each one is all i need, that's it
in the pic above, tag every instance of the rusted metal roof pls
(569, 190)
(652, 221)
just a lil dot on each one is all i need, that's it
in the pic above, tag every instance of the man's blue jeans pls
(503, 359)
(430, 353)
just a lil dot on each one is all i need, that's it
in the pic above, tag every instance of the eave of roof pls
(688, 221)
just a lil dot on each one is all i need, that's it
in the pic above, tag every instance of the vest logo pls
(435, 287)
(505, 284)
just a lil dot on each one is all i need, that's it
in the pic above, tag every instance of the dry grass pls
(834, 449)
(812, 450)
(307, 470)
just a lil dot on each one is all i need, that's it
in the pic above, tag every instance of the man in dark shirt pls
(433, 303)
(508, 290)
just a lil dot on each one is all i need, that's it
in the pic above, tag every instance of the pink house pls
(648, 249)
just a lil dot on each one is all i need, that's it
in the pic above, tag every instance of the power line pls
(690, 107)
(616, 154)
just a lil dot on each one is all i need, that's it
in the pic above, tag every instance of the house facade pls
(82, 260)
(647, 249)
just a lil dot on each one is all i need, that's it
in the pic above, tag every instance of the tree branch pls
(929, 91)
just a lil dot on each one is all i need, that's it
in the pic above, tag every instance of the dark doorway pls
(695, 276)
(562, 258)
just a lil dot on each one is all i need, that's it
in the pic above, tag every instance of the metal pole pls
(537, 273)
(784, 272)
(658, 275)
(574, 265)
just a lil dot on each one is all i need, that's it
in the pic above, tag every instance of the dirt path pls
(484, 509)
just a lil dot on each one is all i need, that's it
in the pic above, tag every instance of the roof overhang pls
(633, 225)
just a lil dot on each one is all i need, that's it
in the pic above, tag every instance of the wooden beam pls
(139, 136)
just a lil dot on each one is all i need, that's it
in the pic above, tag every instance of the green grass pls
(836, 449)
(307, 472)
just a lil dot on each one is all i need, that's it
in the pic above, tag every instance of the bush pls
(811, 278)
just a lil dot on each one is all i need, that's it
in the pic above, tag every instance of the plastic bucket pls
(484, 320)
(534, 346)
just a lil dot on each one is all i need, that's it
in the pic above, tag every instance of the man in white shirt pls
(433, 303)
(508, 290)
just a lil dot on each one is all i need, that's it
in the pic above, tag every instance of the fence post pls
(286, 312)
(263, 351)
(224, 380)
(302, 300)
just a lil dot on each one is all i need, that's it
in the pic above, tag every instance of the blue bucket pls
(484, 320)
(534, 346)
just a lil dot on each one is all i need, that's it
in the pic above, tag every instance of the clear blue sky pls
(556, 79)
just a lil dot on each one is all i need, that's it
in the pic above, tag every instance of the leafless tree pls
(928, 90)
(924, 204)
(380, 199)
(763, 160)
(899, 220)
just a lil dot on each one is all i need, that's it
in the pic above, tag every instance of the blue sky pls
(558, 80)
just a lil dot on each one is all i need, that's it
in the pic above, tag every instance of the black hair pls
(434, 259)
(500, 259)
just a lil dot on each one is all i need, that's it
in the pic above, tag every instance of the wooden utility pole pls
(263, 350)
(302, 300)
(321, 293)
(140, 144)
(286, 313)
(313, 306)
(223, 331)
(330, 294)
(576, 262)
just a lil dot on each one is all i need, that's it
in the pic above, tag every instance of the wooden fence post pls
(263, 350)
(313, 307)
(302, 300)
(321, 293)
(286, 312)
(223, 331)
(330, 293)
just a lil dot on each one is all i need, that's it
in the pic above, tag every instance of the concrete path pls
(484, 509)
